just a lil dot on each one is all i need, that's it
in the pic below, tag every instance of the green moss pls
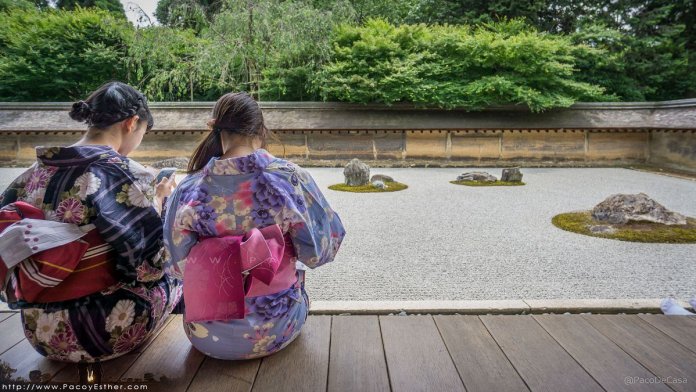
(580, 222)
(392, 186)
(484, 183)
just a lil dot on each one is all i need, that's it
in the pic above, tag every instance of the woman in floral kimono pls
(237, 189)
(94, 182)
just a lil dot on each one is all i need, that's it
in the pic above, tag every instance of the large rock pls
(356, 173)
(381, 177)
(622, 208)
(477, 176)
(512, 174)
(179, 163)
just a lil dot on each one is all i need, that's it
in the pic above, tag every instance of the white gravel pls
(439, 241)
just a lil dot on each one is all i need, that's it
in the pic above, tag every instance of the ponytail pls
(210, 147)
(234, 113)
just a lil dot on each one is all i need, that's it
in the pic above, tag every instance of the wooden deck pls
(415, 353)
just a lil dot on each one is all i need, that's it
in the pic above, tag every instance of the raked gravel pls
(440, 241)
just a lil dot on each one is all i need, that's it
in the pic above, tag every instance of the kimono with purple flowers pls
(230, 197)
(97, 185)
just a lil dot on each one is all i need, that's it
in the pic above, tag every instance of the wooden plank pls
(12, 332)
(417, 357)
(112, 370)
(680, 328)
(599, 356)
(228, 376)
(357, 356)
(481, 363)
(542, 363)
(656, 351)
(301, 366)
(171, 356)
(5, 315)
(25, 359)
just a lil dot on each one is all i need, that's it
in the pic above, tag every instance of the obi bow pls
(45, 261)
(220, 271)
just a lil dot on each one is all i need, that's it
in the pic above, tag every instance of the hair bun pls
(80, 111)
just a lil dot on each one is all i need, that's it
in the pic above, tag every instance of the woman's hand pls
(165, 187)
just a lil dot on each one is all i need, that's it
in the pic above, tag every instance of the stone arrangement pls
(356, 173)
(381, 177)
(512, 174)
(477, 176)
(623, 208)
(357, 179)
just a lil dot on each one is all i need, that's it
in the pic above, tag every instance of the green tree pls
(187, 14)
(657, 43)
(7, 5)
(60, 55)
(650, 50)
(162, 62)
(454, 66)
(606, 64)
(269, 48)
(23, 4)
(108, 5)
(663, 47)
(361, 10)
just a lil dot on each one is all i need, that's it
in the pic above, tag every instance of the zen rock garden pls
(510, 177)
(180, 163)
(357, 179)
(628, 217)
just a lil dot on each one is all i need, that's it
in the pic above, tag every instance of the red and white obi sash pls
(44, 261)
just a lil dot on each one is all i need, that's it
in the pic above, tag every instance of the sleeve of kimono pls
(16, 189)
(179, 237)
(316, 229)
(122, 196)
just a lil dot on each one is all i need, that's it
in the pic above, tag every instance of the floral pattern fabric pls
(96, 185)
(230, 197)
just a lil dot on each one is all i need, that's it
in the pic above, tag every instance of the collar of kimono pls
(219, 272)
(251, 163)
(74, 155)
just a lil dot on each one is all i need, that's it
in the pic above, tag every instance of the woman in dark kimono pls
(93, 182)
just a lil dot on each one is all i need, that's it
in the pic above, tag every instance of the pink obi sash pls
(221, 271)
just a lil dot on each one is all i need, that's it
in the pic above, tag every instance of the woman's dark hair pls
(234, 113)
(111, 103)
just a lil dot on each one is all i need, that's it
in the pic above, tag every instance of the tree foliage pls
(162, 62)
(270, 48)
(472, 53)
(108, 5)
(187, 14)
(63, 55)
(500, 63)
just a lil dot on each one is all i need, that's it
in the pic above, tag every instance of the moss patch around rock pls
(392, 186)
(580, 222)
(484, 183)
